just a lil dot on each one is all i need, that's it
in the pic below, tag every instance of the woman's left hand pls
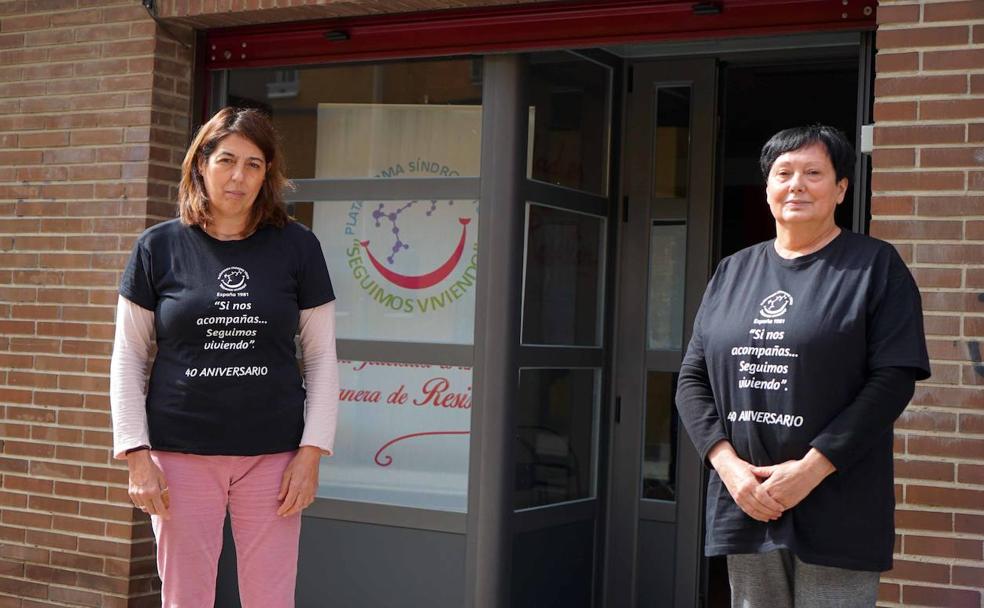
(300, 481)
(791, 481)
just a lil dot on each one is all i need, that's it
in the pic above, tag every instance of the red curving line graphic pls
(389, 459)
(422, 281)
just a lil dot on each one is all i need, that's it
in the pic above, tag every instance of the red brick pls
(105, 548)
(963, 59)
(975, 180)
(923, 37)
(906, 519)
(912, 229)
(47, 574)
(961, 548)
(54, 505)
(950, 109)
(55, 469)
(107, 512)
(968, 576)
(63, 364)
(898, 86)
(20, 157)
(26, 519)
(948, 254)
(919, 571)
(96, 137)
(24, 554)
(72, 121)
(939, 596)
(888, 592)
(75, 597)
(76, 561)
(893, 157)
(892, 205)
(917, 180)
(954, 11)
(80, 490)
(81, 454)
(948, 396)
(74, 52)
(103, 583)
(128, 48)
(77, 17)
(59, 399)
(889, 14)
(85, 347)
(895, 110)
(958, 498)
(103, 33)
(937, 277)
(924, 469)
(934, 206)
(51, 540)
(896, 62)
(51, 434)
(973, 374)
(117, 475)
(23, 588)
(28, 22)
(918, 135)
(27, 484)
(30, 414)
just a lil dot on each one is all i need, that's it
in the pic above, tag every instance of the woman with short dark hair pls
(805, 350)
(228, 421)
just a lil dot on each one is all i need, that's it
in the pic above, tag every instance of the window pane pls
(672, 146)
(402, 270)
(376, 109)
(659, 457)
(563, 287)
(667, 257)
(569, 121)
(403, 436)
(556, 436)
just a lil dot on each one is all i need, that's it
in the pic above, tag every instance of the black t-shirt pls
(226, 378)
(779, 352)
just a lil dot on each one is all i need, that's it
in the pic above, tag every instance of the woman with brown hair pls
(228, 420)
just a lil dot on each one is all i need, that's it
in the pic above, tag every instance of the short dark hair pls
(839, 149)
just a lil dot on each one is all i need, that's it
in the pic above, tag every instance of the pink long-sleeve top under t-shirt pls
(131, 355)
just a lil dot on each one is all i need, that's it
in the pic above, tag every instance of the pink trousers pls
(201, 488)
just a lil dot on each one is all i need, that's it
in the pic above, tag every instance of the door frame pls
(624, 508)
(639, 210)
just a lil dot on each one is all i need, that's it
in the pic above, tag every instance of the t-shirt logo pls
(233, 278)
(776, 305)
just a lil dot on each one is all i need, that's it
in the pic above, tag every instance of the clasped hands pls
(764, 493)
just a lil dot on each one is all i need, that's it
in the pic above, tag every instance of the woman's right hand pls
(745, 488)
(148, 487)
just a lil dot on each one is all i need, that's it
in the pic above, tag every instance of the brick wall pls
(93, 123)
(928, 199)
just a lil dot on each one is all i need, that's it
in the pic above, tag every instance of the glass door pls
(654, 519)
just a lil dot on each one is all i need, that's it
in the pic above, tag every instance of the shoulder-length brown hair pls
(255, 126)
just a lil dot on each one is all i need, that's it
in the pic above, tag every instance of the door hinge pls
(625, 208)
(618, 410)
(629, 79)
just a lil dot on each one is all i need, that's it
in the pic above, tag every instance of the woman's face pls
(803, 187)
(233, 176)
